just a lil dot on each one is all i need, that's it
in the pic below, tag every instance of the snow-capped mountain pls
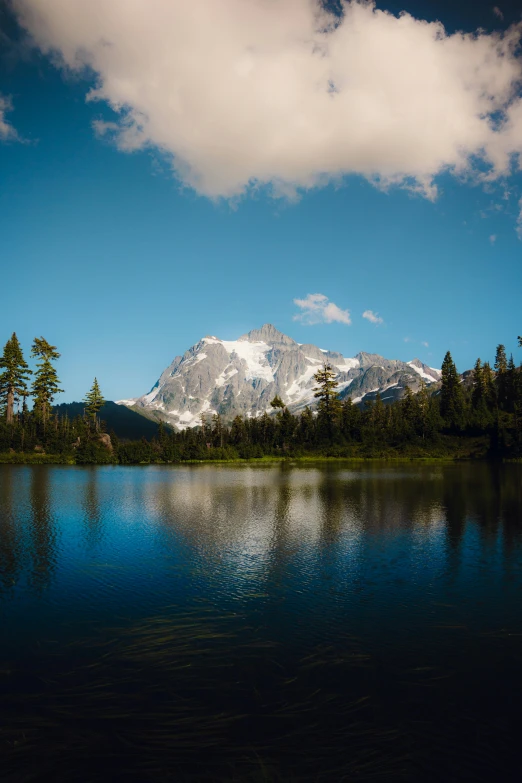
(244, 375)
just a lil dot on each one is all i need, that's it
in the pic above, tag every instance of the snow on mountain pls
(242, 376)
(429, 374)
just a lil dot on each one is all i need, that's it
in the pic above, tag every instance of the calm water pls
(276, 623)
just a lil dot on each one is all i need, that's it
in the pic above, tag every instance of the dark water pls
(318, 623)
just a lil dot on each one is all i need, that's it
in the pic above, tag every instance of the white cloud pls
(6, 129)
(425, 344)
(408, 340)
(245, 92)
(493, 238)
(318, 309)
(374, 318)
(498, 12)
(519, 220)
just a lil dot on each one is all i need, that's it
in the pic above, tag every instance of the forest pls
(477, 415)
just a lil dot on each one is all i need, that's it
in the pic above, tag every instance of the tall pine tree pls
(329, 405)
(501, 380)
(13, 380)
(93, 402)
(451, 399)
(46, 384)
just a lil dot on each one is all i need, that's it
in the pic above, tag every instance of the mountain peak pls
(268, 334)
(230, 377)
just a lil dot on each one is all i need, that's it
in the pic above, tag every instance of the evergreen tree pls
(424, 423)
(489, 386)
(238, 431)
(451, 399)
(350, 419)
(511, 384)
(13, 380)
(478, 393)
(329, 405)
(501, 367)
(483, 395)
(307, 427)
(277, 403)
(408, 408)
(93, 402)
(266, 430)
(217, 430)
(46, 383)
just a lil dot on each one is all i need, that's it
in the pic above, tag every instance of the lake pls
(320, 622)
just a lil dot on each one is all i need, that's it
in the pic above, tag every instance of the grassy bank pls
(21, 458)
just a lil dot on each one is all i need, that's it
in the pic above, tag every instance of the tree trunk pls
(10, 405)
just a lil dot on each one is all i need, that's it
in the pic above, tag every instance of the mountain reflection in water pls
(319, 622)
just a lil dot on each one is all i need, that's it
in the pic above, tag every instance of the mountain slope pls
(127, 424)
(244, 375)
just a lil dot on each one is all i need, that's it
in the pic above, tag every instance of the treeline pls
(39, 430)
(478, 416)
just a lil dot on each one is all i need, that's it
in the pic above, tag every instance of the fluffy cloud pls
(519, 221)
(318, 309)
(498, 12)
(493, 238)
(425, 344)
(372, 317)
(6, 129)
(247, 92)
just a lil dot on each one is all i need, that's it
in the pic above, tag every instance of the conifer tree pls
(217, 430)
(306, 426)
(329, 405)
(277, 403)
(350, 419)
(451, 400)
(266, 429)
(478, 395)
(501, 367)
(93, 402)
(13, 380)
(46, 383)
(424, 410)
(408, 408)
(238, 431)
(511, 384)
(489, 386)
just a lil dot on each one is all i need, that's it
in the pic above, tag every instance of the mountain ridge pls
(242, 376)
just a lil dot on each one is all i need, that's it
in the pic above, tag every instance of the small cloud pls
(493, 238)
(425, 344)
(102, 128)
(7, 132)
(498, 12)
(519, 220)
(318, 309)
(408, 340)
(372, 317)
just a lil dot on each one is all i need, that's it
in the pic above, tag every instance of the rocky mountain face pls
(242, 376)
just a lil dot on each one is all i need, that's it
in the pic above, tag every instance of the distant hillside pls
(127, 424)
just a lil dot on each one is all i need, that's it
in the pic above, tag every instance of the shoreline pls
(57, 459)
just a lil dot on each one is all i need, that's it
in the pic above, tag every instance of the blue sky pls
(124, 263)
